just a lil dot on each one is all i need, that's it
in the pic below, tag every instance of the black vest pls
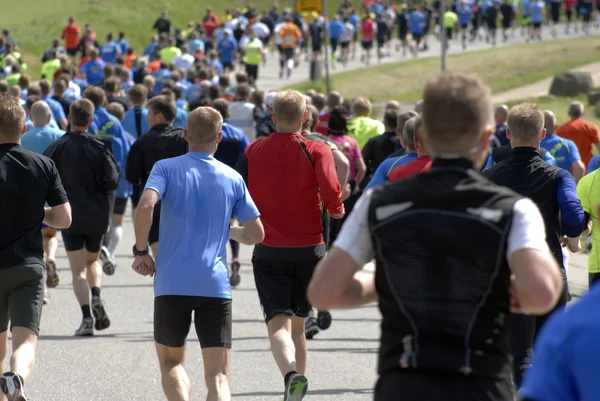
(504, 152)
(441, 271)
(525, 172)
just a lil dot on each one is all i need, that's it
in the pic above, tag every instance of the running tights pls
(235, 248)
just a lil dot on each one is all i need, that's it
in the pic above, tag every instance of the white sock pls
(114, 234)
(290, 64)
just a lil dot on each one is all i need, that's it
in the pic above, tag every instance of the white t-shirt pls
(348, 33)
(261, 30)
(527, 230)
(277, 29)
(242, 117)
(184, 62)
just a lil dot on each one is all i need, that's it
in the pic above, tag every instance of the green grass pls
(502, 68)
(560, 105)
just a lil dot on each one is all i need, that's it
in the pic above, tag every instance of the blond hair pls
(289, 107)
(361, 107)
(12, 117)
(456, 108)
(526, 121)
(204, 125)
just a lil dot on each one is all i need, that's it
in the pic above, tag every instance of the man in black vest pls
(454, 255)
(554, 191)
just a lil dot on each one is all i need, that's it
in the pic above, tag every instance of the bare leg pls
(175, 381)
(23, 358)
(299, 339)
(216, 373)
(282, 344)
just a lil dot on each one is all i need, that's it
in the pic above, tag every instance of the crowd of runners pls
(185, 125)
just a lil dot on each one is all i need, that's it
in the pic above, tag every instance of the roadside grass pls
(502, 69)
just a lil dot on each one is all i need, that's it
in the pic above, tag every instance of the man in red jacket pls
(292, 180)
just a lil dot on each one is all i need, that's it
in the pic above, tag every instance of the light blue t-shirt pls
(38, 139)
(199, 196)
(380, 175)
(227, 48)
(180, 118)
(336, 28)
(566, 355)
(537, 12)
(416, 20)
(563, 150)
(58, 113)
(129, 123)
(109, 52)
(593, 164)
(464, 15)
(94, 71)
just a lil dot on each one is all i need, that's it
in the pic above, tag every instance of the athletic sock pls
(96, 292)
(114, 233)
(85, 309)
(287, 378)
(235, 248)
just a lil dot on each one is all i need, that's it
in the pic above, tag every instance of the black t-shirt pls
(491, 14)
(163, 25)
(64, 103)
(402, 22)
(382, 29)
(27, 182)
(316, 32)
(507, 11)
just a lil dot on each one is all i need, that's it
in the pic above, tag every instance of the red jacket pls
(322, 124)
(419, 165)
(287, 189)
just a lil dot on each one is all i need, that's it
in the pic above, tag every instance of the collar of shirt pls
(456, 163)
(525, 152)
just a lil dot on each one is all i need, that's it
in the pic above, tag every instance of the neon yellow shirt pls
(252, 52)
(588, 191)
(49, 68)
(169, 53)
(450, 19)
(364, 128)
(13, 79)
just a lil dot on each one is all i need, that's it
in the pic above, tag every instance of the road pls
(269, 75)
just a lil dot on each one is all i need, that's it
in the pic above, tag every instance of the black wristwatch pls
(139, 253)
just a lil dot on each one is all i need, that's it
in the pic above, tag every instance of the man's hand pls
(337, 216)
(144, 265)
(346, 192)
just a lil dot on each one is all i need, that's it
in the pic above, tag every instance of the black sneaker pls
(102, 320)
(311, 328)
(86, 329)
(11, 385)
(296, 388)
(235, 278)
(324, 320)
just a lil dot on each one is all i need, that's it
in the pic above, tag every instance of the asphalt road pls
(269, 75)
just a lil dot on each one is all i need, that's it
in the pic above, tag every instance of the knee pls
(216, 379)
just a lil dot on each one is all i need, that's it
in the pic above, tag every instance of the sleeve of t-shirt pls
(527, 230)
(244, 208)
(329, 187)
(354, 238)
(56, 192)
(571, 212)
(111, 171)
(158, 179)
(60, 113)
(573, 152)
(489, 162)
(594, 133)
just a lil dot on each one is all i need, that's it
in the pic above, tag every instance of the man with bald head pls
(564, 151)
(584, 133)
(41, 135)
(193, 245)
(500, 117)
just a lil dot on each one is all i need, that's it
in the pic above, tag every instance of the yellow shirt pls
(169, 53)
(588, 191)
(450, 19)
(364, 128)
(49, 68)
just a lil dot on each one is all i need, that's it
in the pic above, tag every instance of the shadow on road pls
(310, 392)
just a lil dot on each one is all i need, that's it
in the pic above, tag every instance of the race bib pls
(290, 40)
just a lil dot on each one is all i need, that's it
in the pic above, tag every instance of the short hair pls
(319, 101)
(12, 117)
(410, 130)
(95, 94)
(222, 106)
(312, 118)
(289, 107)
(392, 104)
(241, 77)
(34, 90)
(112, 84)
(223, 80)
(40, 110)
(149, 80)
(526, 121)
(24, 81)
(204, 125)
(390, 118)
(31, 99)
(45, 87)
(4, 86)
(576, 110)
(93, 52)
(456, 106)
(163, 105)
(259, 97)
(15, 91)
(549, 121)
(138, 94)
(81, 112)
(419, 106)
(109, 70)
(361, 107)
(403, 118)
(117, 110)
(334, 99)
(60, 85)
(242, 91)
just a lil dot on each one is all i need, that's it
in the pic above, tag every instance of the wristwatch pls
(139, 253)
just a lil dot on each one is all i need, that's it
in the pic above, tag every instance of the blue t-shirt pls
(180, 118)
(199, 196)
(129, 123)
(336, 29)
(526, 4)
(149, 51)
(416, 20)
(566, 355)
(354, 20)
(236, 134)
(109, 52)
(123, 44)
(500, 134)
(593, 164)
(193, 92)
(58, 113)
(159, 76)
(380, 175)
(38, 139)
(563, 150)
(227, 48)
(94, 71)
(195, 45)
(464, 15)
(216, 63)
(537, 12)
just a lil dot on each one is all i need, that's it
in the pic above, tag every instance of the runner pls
(554, 191)
(70, 34)
(450, 20)
(316, 32)
(500, 117)
(422, 163)
(290, 35)
(345, 40)
(362, 126)
(90, 175)
(564, 151)
(426, 351)
(416, 25)
(491, 19)
(334, 99)
(383, 35)
(368, 29)
(336, 29)
(402, 21)
(283, 263)
(584, 133)
(135, 121)
(163, 141)
(21, 252)
(465, 14)
(526, 23)
(242, 111)
(555, 16)
(378, 148)
(507, 13)
(254, 53)
(569, 5)
(537, 18)
(193, 247)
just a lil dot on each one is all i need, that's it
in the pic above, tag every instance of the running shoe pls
(324, 320)
(296, 388)
(311, 328)
(86, 329)
(12, 387)
(52, 278)
(102, 320)
(235, 278)
(108, 267)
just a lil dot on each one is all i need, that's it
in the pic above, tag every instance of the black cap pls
(337, 122)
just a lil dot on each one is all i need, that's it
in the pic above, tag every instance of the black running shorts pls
(75, 242)
(289, 53)
(344, 45)
(282, 286)
(173, 318)
(21, 297)
(415, 385)
(367, 44)
(120, 206)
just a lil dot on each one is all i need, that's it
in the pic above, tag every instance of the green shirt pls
(13, 79)
(252, 52)
(169, 53)
(49, 68)
(450, 19)
(588, 192)
(364, 128)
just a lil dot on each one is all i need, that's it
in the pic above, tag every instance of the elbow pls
(257, 237)
(543, 299)
(65, 221)
(144, 209)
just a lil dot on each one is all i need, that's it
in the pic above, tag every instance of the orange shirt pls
(130, 60)
(71, 36)
(290, 35)
(584, 133)
(154, 66)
